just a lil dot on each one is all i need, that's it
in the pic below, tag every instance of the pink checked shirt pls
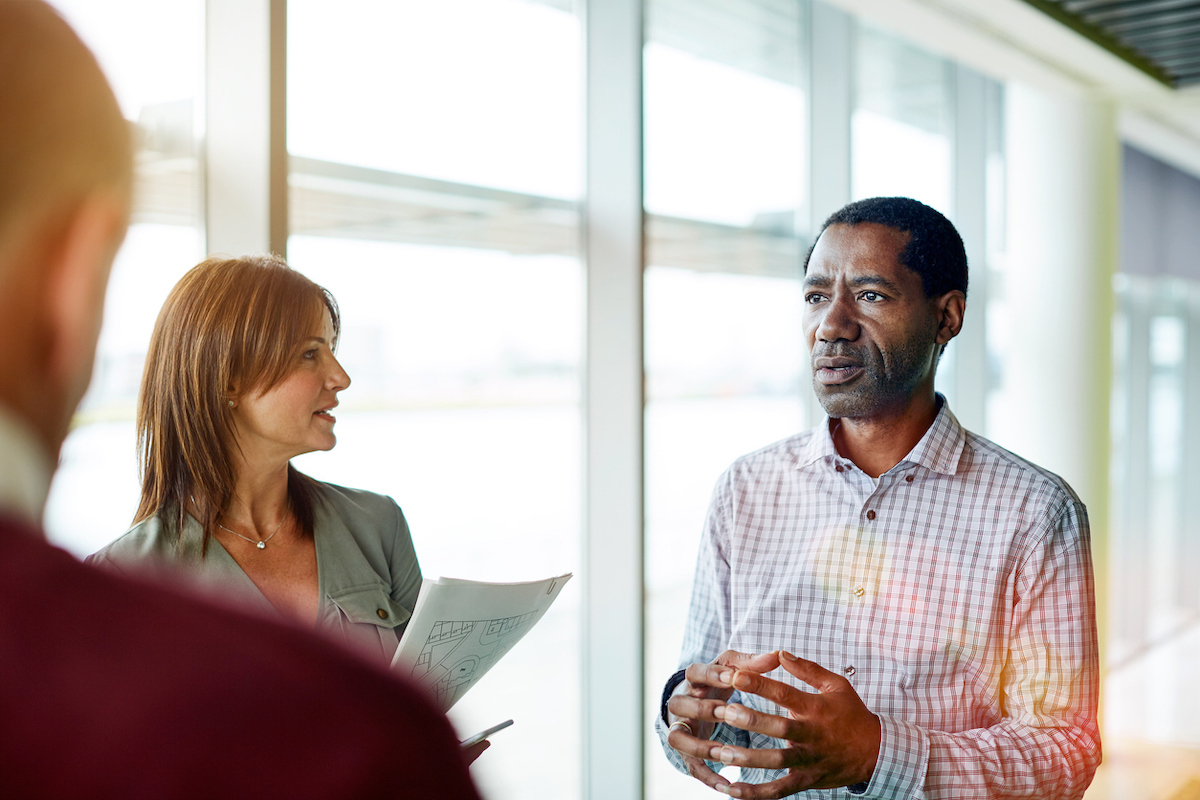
(955, 592)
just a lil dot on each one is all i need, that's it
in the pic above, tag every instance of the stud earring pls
(231, 404)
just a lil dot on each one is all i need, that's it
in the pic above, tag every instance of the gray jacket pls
(367, 572)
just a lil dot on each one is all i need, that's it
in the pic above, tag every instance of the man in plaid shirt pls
(922, 598)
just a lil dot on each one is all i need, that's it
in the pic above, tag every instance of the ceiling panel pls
(1159, 37)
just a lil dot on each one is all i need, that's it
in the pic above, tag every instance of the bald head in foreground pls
(112, 688)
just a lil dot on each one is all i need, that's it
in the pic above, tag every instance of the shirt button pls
(870, 515)
(908, 478)
(850, 671)
(838, 468)
(859, 591)
(382, 613)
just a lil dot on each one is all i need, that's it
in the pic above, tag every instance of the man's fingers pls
(811, 672)
(714, 679)
(694, 708)
(748, 719)
(701, 772)
(751, 662)
(766, 758)
(777, 692)
(688, 741)
(705, 676)
(772, 790)
(694, 751)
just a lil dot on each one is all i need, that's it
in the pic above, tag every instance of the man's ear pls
(950, 310)
(77, 276)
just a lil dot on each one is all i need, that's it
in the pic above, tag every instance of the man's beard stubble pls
(888, 379)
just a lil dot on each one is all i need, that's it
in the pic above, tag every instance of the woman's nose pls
(338, 377)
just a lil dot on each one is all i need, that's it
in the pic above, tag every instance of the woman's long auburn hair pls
(231, 326)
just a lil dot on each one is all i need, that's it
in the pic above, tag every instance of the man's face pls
(870, 328)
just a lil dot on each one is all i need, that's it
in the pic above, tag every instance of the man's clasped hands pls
(830, 738)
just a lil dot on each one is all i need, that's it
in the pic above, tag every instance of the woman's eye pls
(310, 354)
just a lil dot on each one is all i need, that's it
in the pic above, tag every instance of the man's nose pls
(838, 320)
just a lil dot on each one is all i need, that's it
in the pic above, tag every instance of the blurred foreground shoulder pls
(155, 694)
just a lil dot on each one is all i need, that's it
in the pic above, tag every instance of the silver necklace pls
(259, 543)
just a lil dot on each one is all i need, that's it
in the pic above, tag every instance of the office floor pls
(1135, 770)
(1152, 725)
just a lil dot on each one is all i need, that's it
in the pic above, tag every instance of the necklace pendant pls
(261, 545)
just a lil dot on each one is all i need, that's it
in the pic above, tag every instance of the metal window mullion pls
(1189, 563)
(613, 547)
(1132, 557)
(245, 142)
(970, 109)
(831, 103)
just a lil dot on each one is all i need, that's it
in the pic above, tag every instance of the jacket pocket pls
(370, 605)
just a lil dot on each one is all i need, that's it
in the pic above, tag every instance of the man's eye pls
(813, 298)
(872, 297)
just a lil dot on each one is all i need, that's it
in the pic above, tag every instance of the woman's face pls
(294, 416)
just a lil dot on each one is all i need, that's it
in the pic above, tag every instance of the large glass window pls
(901, 124)
(158, 81)
(727, 222)
(436, 157)
(1153, 602)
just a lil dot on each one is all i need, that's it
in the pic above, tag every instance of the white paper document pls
(459, 629)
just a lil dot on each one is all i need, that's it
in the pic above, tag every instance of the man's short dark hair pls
(934, 251)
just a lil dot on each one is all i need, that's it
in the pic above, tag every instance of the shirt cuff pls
(902, 764)
(668, 690)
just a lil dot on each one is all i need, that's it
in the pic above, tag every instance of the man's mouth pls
(831, 376)
(833, 370)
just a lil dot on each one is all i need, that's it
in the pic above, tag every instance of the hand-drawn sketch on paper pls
(460, 629)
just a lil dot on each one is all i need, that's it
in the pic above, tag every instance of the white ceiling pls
(1010, 40)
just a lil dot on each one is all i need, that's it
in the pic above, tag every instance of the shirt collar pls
(939, 450)
(25, 470)
(820, 446)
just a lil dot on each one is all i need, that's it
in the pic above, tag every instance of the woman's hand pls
(475, 751)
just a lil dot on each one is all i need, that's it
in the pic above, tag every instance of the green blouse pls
(368, 577)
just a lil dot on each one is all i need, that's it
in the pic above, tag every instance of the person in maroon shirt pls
(111, 688)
